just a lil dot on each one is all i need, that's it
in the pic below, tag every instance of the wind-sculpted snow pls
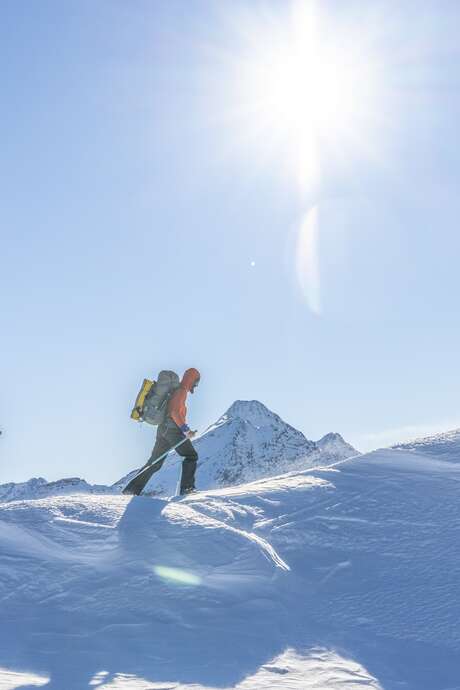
(445, 446)
(345, 576)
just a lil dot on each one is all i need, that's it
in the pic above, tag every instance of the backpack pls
(139, 404)
(152, 401)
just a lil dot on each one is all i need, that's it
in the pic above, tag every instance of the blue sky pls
(144, 226)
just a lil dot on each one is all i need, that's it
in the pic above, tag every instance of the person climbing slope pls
(172, 431)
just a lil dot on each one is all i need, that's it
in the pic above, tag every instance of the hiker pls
(171, 431)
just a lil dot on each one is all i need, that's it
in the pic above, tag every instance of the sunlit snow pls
(343, 576)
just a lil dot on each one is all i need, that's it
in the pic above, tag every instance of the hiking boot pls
(188, 490)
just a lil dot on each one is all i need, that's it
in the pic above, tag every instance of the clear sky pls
(220, 185)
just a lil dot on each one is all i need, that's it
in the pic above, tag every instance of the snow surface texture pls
(330, 578)
(248, 442)
(444, 446)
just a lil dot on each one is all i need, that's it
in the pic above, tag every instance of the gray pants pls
(168, 435)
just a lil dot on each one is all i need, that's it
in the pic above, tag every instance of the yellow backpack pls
(141, 396)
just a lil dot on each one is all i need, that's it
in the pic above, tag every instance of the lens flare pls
(301, 89)
(177, 575)
(307, 260)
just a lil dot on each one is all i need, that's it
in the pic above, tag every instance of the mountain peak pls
(331, 436)
(252, 411)
(335, 445)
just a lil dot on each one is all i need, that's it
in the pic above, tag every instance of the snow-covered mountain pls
(246, 443)
(445, 446)
(41, 488)
(334, 448)
(347, 576)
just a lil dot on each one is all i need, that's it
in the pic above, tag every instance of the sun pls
(306, 87)
(297, 86)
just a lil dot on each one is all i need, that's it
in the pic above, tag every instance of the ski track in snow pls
(332, 578)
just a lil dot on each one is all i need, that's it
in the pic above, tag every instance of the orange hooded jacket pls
(177, 408)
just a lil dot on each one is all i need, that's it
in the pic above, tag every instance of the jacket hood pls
(189, 378)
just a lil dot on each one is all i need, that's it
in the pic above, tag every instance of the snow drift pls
(346, 576)
(445, 446)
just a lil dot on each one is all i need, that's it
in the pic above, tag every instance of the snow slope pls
(445, 446)
(341, 577)
(246, 443)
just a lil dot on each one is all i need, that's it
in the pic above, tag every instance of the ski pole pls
(162, 457)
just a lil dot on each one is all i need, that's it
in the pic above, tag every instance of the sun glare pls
(299, 92)
(298, 85)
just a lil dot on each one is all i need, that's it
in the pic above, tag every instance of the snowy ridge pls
(41, 488)
(346, 576)
(445, 446)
